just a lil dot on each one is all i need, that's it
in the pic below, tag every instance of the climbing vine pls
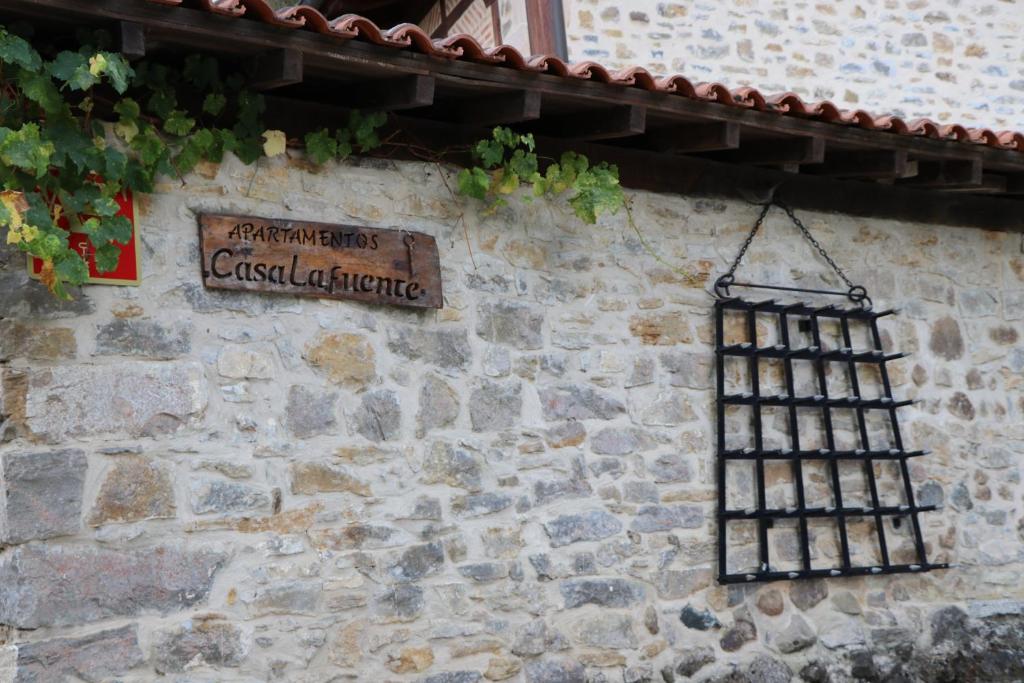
(79, 127)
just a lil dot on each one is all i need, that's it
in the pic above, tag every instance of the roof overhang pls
(661, 141)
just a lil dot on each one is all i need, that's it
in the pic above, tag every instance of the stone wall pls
(948, 60)
(217, 486)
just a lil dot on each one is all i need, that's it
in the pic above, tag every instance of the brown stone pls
(946, 340)
(501, 668)
(566, 435)
(412, 659)
(1004, 334)
(346, 359)
(287, 522)
(35, 342)
(770, 602)
(960, 406)
(135, 489)
(661, 329)
(322, 477)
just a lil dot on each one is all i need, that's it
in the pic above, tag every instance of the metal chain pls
(746, 242)
(803, 229)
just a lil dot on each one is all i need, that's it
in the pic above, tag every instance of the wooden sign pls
(323, 260)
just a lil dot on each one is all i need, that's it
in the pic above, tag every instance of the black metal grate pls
(823, 345)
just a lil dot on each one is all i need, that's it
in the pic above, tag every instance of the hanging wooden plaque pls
(322, 260)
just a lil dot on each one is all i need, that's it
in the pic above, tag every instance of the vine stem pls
(462, 213)
(687, 275)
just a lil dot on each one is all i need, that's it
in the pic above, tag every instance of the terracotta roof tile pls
(466, 48)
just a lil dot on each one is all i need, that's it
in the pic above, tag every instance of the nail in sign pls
(322, 260)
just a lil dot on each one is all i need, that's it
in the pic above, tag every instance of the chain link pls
(803, 229)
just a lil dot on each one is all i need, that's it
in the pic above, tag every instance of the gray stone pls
(359, 536)
(673, 584)
(602, 592)
(143, 338)
(43, 495)
(379, 416)
(946, 341)
(862, 666)
(653, 518)
(196, 643)
(288, 597)
(807, 594)
(577, 402)
(693, 660)
(698, 620)
(547, 490)
(439, 406)
(535, 638)
(798, 635)
(479, 504)
(452, 677)
(948, 624)
(668, 409)
(416, 562)
(847, 603)
(847, 633)
(135, 489)
(609, 630)
(565, 435)
(25, 298)
(765, 669)
(482, 572)
(642, 673)
(310, 413)
(446, 348)
(215, 496)
(64, 585)
(512, 323)
(611, 466)
(559, 670)
(587, 526)
(930, 493)
(960, 498)
(403, 602)
(669, 468)
(959, 405)
(621, 441)
(687, 369)
(457, 467)
(426, 508)
(640, 492)
(138, 399)
(738, 635)
(494, 405)
(93, 658)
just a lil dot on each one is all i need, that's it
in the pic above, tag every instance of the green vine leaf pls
(16, 50)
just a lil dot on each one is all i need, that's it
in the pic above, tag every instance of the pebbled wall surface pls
(953, 61)
(218, 486)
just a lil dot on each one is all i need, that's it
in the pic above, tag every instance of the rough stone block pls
(196, 643)
(578, 402)
(215, 496)
(93, 658)
(494, 406)
(135, 489)
(345, 359)
(445, 464)
(439, 406)
(139, 398)
(239, 361)
(510, 322)
(43, 495)
(589, 526)
(446, 348)
(321, 477)
(601, 592)
(24, 340)
(310, 413)
(379, 416)
(65, 585)
(143, 338)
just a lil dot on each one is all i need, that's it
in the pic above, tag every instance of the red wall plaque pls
(127, 271)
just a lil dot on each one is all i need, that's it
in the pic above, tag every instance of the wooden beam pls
(132, 37)
(776, 152)
(689, 138)
(546, 25)
(990, 184)
(876, 164)
(492, 110)
(602, 124)
(392, 94)
(276, 69)
(947, 174)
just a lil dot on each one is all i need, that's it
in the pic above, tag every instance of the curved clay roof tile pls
(715, 92)
(678, 84)
(751, 97)
(636, 76)
(468, 48)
